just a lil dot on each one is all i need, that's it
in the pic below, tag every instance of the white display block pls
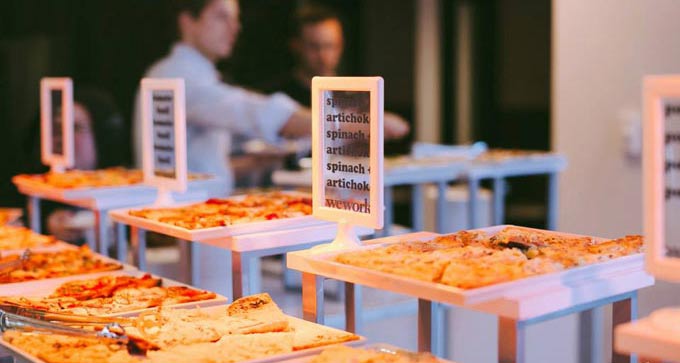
(521, 299)
(347, 157)
(164, 135)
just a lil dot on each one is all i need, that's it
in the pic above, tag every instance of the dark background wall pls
(109, 44)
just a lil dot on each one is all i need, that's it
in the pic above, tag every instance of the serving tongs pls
(9, 266)
(69, 319)
(112, 333)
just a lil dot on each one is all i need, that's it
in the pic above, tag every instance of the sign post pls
(661, 182)
(164, 136)
(56, 123)
(347, 154)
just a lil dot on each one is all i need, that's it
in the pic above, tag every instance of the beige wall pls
(601, 51)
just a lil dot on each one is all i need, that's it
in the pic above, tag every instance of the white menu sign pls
(56, 122)
(347, 149)
(164, 133)
(661, 180)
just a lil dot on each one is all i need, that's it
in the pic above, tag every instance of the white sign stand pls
(657, 335)
(56, 123)
(661, 183)
(164, 136)
(347, 156)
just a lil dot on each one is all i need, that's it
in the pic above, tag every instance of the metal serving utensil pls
(9, 266)
(63, 318)
(113, 332)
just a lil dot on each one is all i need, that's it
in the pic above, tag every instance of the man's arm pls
(395, 126)
(299, 124)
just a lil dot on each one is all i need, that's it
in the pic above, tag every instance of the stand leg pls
(312, 298)
(510, 341)
(353, 308)
(441, 207)
(473, 197)
(239, 274)
(417, 201)
(440, 330)
(424, 325)
(498, 201)
(623, 312)
(591, 324)
(34, 213)
(188, 256)
(138, 241)
(101, 218)
(121, 242)
(552, 201)
(389, 210)
(255, 276)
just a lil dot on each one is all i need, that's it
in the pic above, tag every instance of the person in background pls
(216, 111)
(317, 42)
(99, 142)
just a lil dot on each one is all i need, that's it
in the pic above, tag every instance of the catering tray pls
(117, 196)
(43, 288)
(219, 310)
(212, 233)
(540, 293)
(382, 347)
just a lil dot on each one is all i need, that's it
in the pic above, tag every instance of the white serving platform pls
(247, 243)
(517, 304)
(414, 174)
(44, 288)
(101, 200)
(421, 171)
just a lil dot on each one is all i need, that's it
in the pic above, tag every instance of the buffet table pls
(441, 171)
(517, 304)
(246, 242)
(102, 200)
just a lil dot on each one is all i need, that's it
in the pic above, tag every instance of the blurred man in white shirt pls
(215, 110)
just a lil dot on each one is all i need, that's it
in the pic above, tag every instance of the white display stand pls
(418, 172)
(246, 242)
(102, 200)
(517, 304)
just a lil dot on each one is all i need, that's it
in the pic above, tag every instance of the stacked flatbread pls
(250, 328)
(470, 259)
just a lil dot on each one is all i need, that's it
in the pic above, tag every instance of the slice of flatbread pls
(310, 335)
(167, 328)
(261, 308)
